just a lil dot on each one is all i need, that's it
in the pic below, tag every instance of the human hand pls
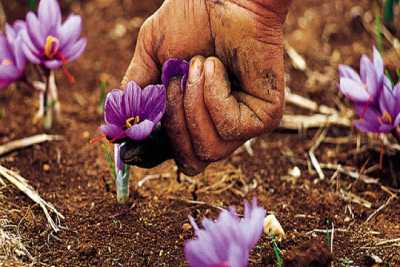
(229, 98)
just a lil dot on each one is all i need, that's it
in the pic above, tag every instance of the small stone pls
(118, 31)
(46, 167)
(295, 172)
(186, 227)
(86, 135)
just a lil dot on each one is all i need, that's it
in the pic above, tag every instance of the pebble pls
(46, 167)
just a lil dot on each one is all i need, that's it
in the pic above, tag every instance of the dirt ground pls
(150, 230)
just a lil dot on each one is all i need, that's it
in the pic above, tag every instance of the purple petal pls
(29, 55)
(70, 30)
(74, 50)
(378, 63)
(397, 121)
(369, 76)
(131, 101)
(49, 15)
(119, 165)
(369, 122)
(237, 257)
(112, 132)
(5, 52)
(141, 131)
(20, 59)
(153, 103)
(34, 30)
(19, 25)
(175, 68)
(353, 90)
(348, 72)
(53, 64)
(113, 108)
(28, 42)
(387, 101)
(10, 33)
(8, 72)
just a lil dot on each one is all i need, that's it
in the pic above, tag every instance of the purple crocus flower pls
(12, 59)
(386, 116)
(49, 42)
(174, 67)
(227, 241)
(364, 88)
(133, 113)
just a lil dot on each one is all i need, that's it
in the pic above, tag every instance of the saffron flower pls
(386, 116)
(12, 59)
(174, 67)
(49, 42)
(366, 87)
(227, 241)
(133, 113)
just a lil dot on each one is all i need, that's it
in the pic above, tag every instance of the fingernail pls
(210, 65)
(195, 70)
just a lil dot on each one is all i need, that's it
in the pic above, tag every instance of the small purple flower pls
(12, 59)
(133, 113)
(175, 68)
(227, 241)
(385, 117)
(49, 42)
(366, 87)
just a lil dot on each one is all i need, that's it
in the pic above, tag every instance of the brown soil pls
(150, 230)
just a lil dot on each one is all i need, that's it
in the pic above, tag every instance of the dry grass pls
(12, 249)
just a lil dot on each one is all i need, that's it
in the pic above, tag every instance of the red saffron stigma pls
(97, 139)
(69, 76)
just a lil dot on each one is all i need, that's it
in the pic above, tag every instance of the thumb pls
(143, 68)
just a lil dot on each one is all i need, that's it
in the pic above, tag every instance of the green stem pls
(48, 114)
(122, 185)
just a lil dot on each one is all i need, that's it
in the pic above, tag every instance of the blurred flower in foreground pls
(366, 87)
(134, 112)
(12, 59)
(227, 241)
(49, 42)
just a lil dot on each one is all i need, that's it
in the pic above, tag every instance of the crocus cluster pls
(227, 241)
(43, 40)
(375, 99)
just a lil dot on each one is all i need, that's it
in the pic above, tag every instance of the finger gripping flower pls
(12, 59)
(133, 113)
(49, 42)
(227, 241)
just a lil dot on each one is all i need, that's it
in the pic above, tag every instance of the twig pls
(313, 158)
(326, 231)
(300, 122)
(352, 174)
(308, 104)
(348, 196)
(298, 61)
(379, 209)
(28, 141)
(196, 202)
(23, 185)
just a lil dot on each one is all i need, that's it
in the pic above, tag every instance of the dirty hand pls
(234, 94)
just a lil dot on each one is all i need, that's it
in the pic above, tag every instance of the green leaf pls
(32, 4)
(378, 33)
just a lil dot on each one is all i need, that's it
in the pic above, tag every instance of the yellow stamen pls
(386, 118)
(6, 62)
(51, 46)
(132, 121)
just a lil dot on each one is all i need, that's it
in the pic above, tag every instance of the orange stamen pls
(51, 47)
(6, 62)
